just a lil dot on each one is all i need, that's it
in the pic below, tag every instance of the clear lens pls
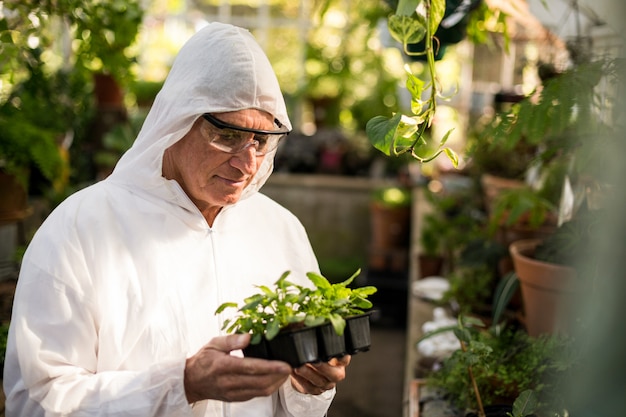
(233, 141)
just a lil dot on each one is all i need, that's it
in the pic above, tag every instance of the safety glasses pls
(234, 139)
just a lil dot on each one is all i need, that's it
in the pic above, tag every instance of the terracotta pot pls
(493, 185)
(14, 202)
(549, 291)
(430, 265)
(391, 226)
(108, 92)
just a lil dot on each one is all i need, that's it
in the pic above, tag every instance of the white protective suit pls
(120, 284)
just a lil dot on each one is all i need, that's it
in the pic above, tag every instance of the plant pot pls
(107, 91)
(330, 344)
(390, 226)
(314, 344)
(296, 347)
(430, 265)
(14, 203)
(493, 186)
(259, 350)
(549, 291)
(357, 334)
(496, 410)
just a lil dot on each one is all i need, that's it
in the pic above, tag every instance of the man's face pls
(210, 177)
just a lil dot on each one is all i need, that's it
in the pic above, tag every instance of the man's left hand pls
(316, 378)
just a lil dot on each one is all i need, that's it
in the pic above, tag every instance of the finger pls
(230, 342)
(341, 361)
(312, 375)
(243, 388)
(335, 366)
(213, 374)
(254, 366)
(305, 386)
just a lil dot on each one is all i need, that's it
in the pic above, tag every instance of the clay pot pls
(549, 291)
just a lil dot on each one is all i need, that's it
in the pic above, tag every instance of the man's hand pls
(213, 373)
(315, 378)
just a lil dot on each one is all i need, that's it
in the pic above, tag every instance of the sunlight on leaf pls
(381, 131)
(406, 29)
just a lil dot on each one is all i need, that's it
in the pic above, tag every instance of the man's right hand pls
(213, 373)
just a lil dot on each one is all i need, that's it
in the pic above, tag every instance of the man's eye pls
(262, 139)
(229, 138)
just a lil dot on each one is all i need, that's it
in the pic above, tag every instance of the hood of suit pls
(221, 68)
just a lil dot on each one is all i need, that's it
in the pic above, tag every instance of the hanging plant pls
(414, 21)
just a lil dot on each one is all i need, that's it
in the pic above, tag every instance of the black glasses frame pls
(282, 129)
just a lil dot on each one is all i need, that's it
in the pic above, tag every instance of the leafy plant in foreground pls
(286, 305)
(493, 365)
(334, 302)
(265, 313)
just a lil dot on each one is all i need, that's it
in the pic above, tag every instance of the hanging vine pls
(414, 21)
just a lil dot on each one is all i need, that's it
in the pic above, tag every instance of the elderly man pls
(114, 314)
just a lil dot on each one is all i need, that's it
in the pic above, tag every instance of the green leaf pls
(507, 286)
(273, 327)
(318, 280)
(417, 107)
(525, 404)
(365, 291)
(362, 303)
(339, 323)
(407, 7)
(256, 339)
(414, 85)
(437, 11)
(282, 279)
(253, 302)
(312, 321)
(266, 289)
(224, 307)
(464, 335)
(352, 277)
(406, 29)
(472, 321)
(381, 132)
(444, 329)
(452, 156)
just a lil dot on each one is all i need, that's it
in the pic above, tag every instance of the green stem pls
(430, 54)
(481, 410)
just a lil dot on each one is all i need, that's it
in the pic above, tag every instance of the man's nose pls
(245, 160)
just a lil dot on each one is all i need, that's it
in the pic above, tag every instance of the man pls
(114, 314)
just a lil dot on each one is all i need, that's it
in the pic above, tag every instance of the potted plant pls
(390, 218)
(573, 125)
(105, 31)
(299, 324)
(569, 123)
(548, 275)
(502, 372)
(45, 108)
(450, 223)
(34, 123)
(497, 166)
(430, 257)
